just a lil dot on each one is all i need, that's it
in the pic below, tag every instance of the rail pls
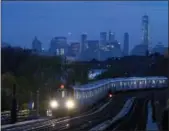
(125, 110)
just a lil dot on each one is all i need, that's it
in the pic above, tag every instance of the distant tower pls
(83, 44)
(111, 37)
(36, 45)
(103, 38)
(126, 44)
(145, 30)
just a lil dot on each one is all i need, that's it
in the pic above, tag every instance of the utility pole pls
(31, 100)
(14, 106)
(37, 102)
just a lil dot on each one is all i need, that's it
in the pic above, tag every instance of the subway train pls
(62, 102)
(83, 96)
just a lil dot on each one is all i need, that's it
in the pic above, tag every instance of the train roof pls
(99, 83)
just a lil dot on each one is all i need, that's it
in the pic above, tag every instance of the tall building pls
(93, 44)
(83, 45)
(36, 45)
(116, 44)
(145, 31)
(92, 51)
(59, 46)
(74, 48)
(111, 37)
(159, 48)
(126, 44)
(103, 38)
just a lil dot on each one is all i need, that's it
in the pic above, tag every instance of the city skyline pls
(21, 27)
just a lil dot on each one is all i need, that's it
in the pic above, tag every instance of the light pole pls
(14, 106)
(37, 101)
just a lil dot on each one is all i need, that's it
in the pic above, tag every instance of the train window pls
(63, 94)
(78, 95)
(145, 81)
(83, 94)
(98, 90)
(106, 86)
(160, 81)
(91, 94)
(95, 91)
(134, 82)
(140, 82)
(86, 94)
(153, 81)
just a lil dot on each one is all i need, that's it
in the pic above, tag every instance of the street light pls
(37, 100)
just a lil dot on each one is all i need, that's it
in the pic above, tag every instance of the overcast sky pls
(22, 21)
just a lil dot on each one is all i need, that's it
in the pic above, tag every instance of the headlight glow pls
(70, 104)
(54, 104)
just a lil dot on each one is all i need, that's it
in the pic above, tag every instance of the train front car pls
(63, 104)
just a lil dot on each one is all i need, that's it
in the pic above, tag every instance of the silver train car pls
(86, 95)
(89, 94)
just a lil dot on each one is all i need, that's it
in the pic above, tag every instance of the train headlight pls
(54, 104)
(70, 104)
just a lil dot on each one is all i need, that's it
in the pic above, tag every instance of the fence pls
(22, 114)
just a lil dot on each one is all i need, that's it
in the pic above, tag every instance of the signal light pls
(110, 95)
(62, 86)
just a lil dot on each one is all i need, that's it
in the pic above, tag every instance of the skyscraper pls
(83, 45)
(111, 37)
(126, 44)
(36, 45)
(74, 48)
(145, 31)
(59, 46)
(103, 38)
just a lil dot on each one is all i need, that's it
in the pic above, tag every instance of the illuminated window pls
(62, 51)
(57, 51)
(78, 95)
(145, 82)
(153, 81)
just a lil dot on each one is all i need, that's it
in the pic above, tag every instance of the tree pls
(7, 83)
(29, 72)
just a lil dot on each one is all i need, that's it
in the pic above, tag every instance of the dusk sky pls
(22, 21)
